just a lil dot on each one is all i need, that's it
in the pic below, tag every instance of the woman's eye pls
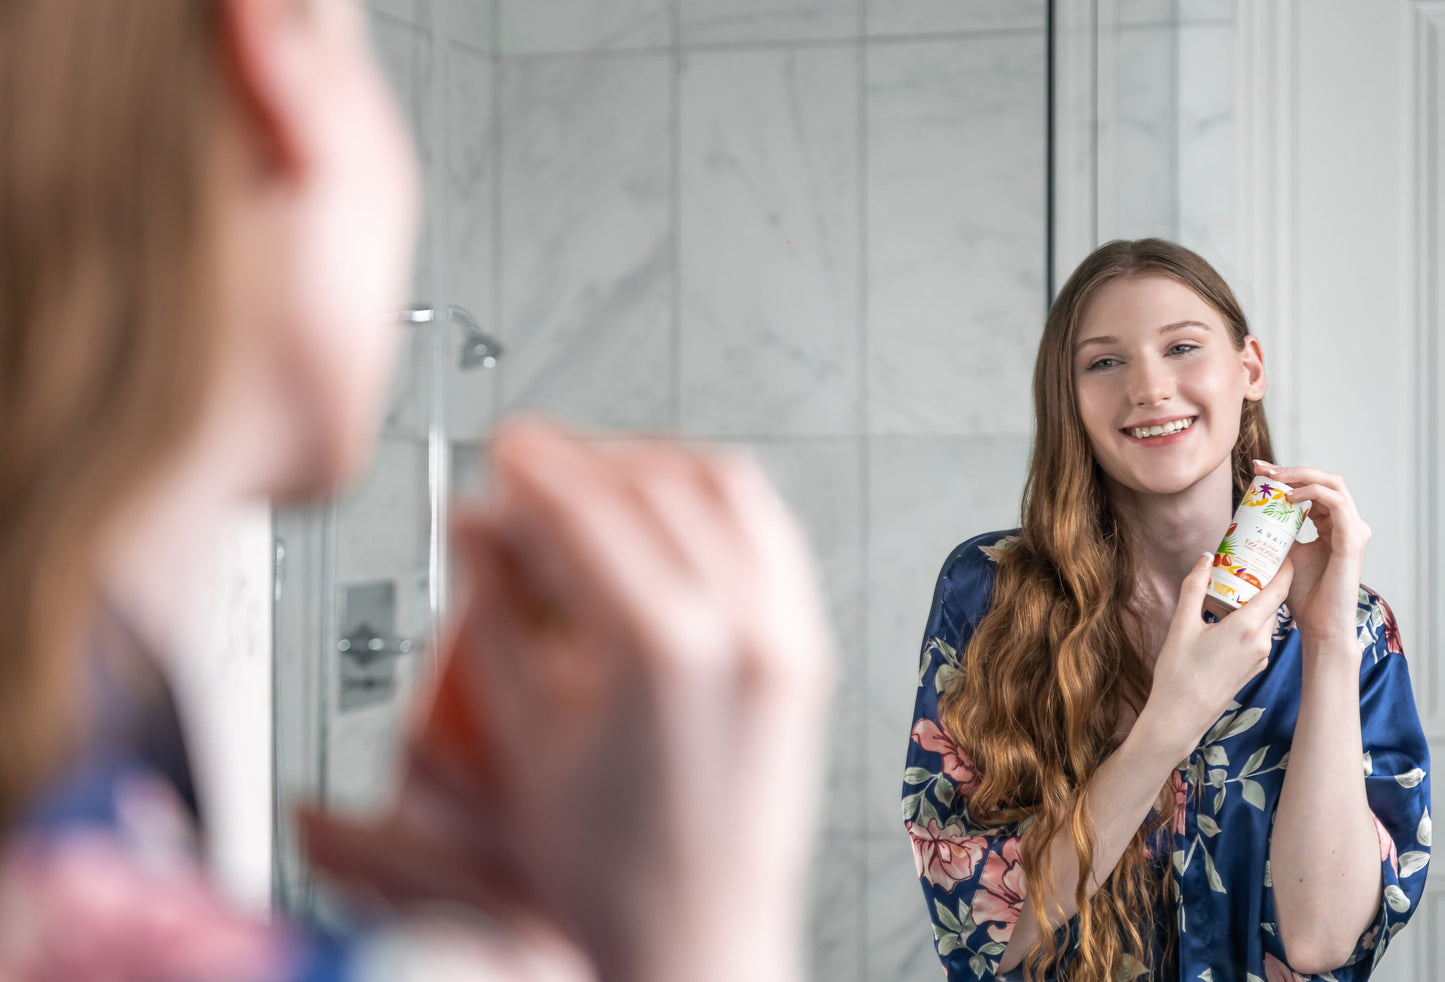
(1101, 363)
(1183, 349)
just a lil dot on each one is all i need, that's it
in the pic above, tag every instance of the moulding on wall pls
(1428, 30)
(1076, 182)
(1265, 188)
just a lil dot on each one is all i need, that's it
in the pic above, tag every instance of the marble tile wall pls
(810, 228)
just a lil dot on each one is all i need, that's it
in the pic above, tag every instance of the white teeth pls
(1144, 432)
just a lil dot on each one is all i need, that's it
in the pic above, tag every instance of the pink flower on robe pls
(1181, 799)
(82, 907)
(1387, 846)
(943, 855)
(1277, 971)
(956, 765)
(1001, 895)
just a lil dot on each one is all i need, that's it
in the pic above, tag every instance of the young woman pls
(1103, 782)
(206, 212)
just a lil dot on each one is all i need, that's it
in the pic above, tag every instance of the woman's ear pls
(269, 49)
(1252, 362)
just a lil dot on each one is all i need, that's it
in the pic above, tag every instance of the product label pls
(1254, 547)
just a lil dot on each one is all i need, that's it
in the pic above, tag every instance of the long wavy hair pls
(1056, 663)
(108, 204)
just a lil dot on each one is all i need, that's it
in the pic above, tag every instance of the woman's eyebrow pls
(1110, 339)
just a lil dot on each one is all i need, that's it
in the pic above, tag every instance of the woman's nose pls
(1149, 383)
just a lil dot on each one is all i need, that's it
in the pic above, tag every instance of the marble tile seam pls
(850, 41)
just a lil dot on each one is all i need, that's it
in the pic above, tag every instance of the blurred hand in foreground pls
(623, 746)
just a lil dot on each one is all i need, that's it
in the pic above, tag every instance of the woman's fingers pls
(579, 534)
(1261, 611)
(1191, 594)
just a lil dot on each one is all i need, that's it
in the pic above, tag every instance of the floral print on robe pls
(1220, 894)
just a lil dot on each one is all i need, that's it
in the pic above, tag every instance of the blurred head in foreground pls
(207, 209)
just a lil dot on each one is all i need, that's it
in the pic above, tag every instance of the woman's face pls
(351, 199)
(1160, 385)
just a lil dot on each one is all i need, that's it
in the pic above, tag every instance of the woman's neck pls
(1167, 533)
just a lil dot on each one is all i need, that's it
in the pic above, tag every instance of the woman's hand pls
(1203, 666)
(1327, 571)
(626, 741)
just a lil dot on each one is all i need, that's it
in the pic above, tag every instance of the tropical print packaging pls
(1253, 549)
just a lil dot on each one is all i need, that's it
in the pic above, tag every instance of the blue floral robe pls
(971, 876)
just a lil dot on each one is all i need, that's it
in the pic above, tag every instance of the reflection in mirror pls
(826, 233)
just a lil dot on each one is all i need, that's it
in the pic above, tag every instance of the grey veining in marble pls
(1207, 138)
(900, 932)
(926, 495)
(587, 256)
(1167, 11)
(1143, 185)
(470, 187)
(532, 26)
(956, 199)
(769, 242)
(821, 480)
(713, 21)
(836, 942)
(939, 16)
(405, 48)
(405, 51)
(470, 22)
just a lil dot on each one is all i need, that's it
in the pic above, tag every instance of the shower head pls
(479, 350)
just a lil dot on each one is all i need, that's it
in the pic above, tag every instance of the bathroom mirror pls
(826, 231)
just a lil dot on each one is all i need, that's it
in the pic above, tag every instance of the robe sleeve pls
(1397, 786)
(972, 879)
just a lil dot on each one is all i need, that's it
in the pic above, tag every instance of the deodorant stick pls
(1254, 547)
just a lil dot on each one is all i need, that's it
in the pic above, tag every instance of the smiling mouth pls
(1164, 429)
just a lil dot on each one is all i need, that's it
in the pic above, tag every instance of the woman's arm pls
(1200, 668)
(1324, 851)
(1120, 795)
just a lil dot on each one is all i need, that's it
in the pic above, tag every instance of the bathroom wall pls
(816, 230)
(810, 228)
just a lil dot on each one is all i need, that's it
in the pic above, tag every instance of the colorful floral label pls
(1254, 547)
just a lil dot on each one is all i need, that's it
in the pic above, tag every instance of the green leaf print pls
(1251, 977)
(1215, 756)
(1229, 545)
(943, 790)
(1410, 778)
(978, 966)
(1243, 722)
(1212, 874)
(1281, 510)
(993, 948)
(1253, 792)
(946, 917)
(947, 943)
(927, 813)
(947, 670)
(1207, 975)
(918, 775)
(1413, 862)
(1219, 727)
(910, 806)
(1255, 759)
(1208, 826)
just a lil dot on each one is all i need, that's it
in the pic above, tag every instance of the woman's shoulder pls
(968, 572)
(1375, 622)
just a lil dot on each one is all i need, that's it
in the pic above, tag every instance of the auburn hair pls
(108, 117)
(1056, 662)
